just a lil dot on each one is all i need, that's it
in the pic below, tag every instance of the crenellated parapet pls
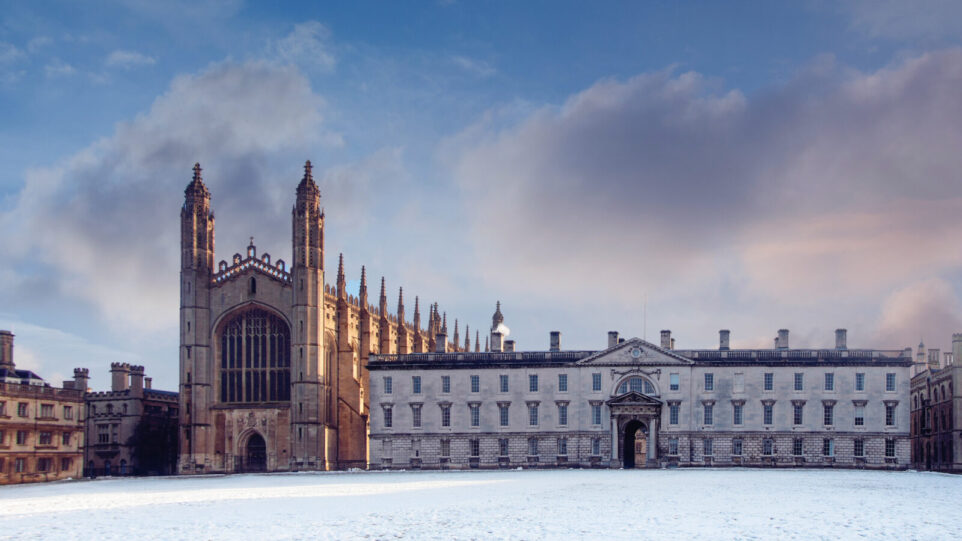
(241, 264)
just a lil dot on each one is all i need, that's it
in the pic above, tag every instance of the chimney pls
(81, 379)
(948, 359)
(612, 338)
(496, 339)
(841, 337)
(666, 339)
(555, 342)
(956, 346)
(6, 350)
(148, 383)
(934, 358)
(782, 341)
(672, 344)
(509, 346)
(723, 339)
(440, 343)
(137, 380)
(119, 376)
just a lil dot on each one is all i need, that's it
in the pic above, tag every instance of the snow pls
(633, 504)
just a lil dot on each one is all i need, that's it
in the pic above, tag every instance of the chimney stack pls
(81, 379)
(666, 339)
(441, 343)
(612, 338)
(935, 356)
(956, 346)
(509, 346)
(782, 341)
(148, 383)
(6, 350)
(723, 336)
(496, 340)
(555, 342)
(137, 380)
(119, 376)
(841, 339)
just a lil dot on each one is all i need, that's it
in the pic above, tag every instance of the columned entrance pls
(635, 450)
(634, 430)
(256, 453)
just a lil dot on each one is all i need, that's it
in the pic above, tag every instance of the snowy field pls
(566, 504)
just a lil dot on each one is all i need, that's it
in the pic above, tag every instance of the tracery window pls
(255, 358)
(637, 384)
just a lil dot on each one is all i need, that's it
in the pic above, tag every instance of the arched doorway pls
(107, 468)
(635, 451)
(256, 453)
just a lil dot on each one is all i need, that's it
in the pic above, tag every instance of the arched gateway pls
(634, 422)
(256, 453)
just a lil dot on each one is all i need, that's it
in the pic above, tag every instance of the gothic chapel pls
(272, 360)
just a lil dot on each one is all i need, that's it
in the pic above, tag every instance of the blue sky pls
(743, 165)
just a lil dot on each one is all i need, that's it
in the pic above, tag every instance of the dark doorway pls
(635, 450)
(256, 453)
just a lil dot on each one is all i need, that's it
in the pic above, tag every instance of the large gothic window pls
(255, 358)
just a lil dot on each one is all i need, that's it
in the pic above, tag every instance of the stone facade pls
(272, 359)
(936, 413)
(640, 404)
(41, 427)
(114, 417)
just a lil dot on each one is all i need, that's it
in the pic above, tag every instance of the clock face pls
(636, 352)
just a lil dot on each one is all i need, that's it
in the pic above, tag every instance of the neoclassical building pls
(272, 374)
(639, 404)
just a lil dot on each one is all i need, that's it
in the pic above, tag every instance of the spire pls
(486, 346)
(362, 291)
(497, 318)
(477, 341)
(400, 307)
(382, 300)
(456, 338)
(444, 324)
(307, 182)
(196, 186)
(383, 295)
(341, 281)
(417, 315)
(467, 338)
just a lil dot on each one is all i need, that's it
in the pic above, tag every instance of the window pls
(797, 446)
(596, 381)
(22, 409)
(736, 414)
(504, 383)
(68, 412)
(799, 381)
(3, 409)
(860, 381)
(503, 447)
(738, 384)
(595, 446)
(798, 418)
(859, 415)
(562, 383)
(446, 415)
(769, 381)
(46, 410)
(737, 447)
(533, 383)
(255, 358)
(890, 381)
(3, 440)
(445, 384)
(21, 437)
(64, 464)
(829, 381)
(709, 382)
(768, 447)
(43, 465)
(416, 384)
(890, 415)
(889, 448)
(709, 414)
(767, 413)
(828, 447)
(562, 446)
(859, 448)
(828, 419)
(445, 447)
(596, 414)
(503, 411)
(673, 384)
(707, 445)
(475, 384)
(20, 465)
(672, 446)
(533, 446)
(475, 447)
(673, 414)
(563, 414)
(475, 410)
(388, 417)
(636, 384)
(46, 438)
(533, 414)
(388, 385)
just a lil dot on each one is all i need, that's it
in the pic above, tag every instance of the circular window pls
(636, 352)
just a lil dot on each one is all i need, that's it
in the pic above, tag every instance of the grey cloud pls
(308, 45)
(895, 19)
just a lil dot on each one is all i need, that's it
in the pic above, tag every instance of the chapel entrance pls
(635, 450)
(256, 453)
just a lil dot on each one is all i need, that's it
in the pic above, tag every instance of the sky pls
(627, 166)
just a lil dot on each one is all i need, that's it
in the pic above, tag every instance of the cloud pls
(103, 223)
(38, 43)
(894, 19)
(837, 186)
(479, 68)
(927, 310)
(9, 53)
(308, 45)
(128, 59)
(59, 68)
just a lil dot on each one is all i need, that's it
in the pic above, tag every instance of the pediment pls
(633, 398)
(636, 352)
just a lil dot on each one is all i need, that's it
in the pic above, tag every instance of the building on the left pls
(41, 426)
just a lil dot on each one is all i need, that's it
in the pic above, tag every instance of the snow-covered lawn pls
(566, 504)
